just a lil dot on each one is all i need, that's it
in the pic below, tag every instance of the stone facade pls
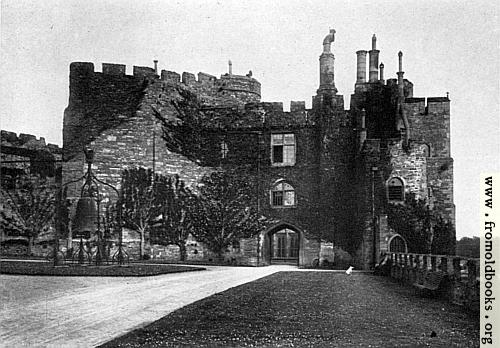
(337, 162)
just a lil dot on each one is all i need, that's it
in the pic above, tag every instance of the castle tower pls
(326, 66)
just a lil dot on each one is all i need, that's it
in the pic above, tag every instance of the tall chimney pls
(326, 65)
(400, 75)
(361, 67)
(230, 66)
(156, 66)
(374, 61)
(382, 73)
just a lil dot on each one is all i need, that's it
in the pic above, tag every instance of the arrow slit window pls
(224, 149)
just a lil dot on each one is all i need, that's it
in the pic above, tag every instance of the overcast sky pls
(449, 46)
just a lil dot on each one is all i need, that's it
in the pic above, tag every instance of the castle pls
(325, 174)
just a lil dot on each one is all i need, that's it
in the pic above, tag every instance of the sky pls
(448, 46)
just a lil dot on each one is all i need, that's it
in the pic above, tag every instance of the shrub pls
(342, 258)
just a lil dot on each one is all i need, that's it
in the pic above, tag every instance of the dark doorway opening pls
(284, 246)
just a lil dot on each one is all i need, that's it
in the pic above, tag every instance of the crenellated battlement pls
(244, 88)
(429, 105)
(260, 115)
(26, 140)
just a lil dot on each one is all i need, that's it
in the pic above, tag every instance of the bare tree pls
(28, 209)
(177, 203)
(138, 202)
(226, 211)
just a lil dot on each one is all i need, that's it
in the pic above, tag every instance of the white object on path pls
(349, 270)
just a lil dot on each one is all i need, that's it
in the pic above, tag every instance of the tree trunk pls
(182, 250)
(31, 240)
(220, 256)
(69, 243)
(141, 245)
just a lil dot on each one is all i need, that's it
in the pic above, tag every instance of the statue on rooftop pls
(327, 42)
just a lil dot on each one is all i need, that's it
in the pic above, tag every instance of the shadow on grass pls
(312, 309)
(130, 270)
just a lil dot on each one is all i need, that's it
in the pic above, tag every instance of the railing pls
(461, 285)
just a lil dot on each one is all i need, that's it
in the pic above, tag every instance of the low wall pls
(460, 285)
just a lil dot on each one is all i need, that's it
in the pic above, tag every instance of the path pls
(87, 311)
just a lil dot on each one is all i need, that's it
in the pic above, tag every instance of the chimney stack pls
(156, 66)
(400, 75)
(374, 61)
(361, 67)
(326, 65)
(230, 67)
(382, 73)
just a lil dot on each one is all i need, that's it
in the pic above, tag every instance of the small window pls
(283, 195)
(224, 149)
(283, 149)
(395, 190)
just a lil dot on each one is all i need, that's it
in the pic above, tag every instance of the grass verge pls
(130, 270)
(311, 309)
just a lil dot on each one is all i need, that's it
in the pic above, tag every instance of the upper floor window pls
(395, 189)
(283, 149)
(283, 195)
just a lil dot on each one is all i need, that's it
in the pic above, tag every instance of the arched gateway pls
(282, 245)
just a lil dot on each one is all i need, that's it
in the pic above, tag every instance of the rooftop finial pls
(230, 66)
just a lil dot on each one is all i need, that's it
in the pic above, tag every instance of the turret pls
(374, 60)
(326, 66)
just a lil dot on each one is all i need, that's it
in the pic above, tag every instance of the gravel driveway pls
(87, 311)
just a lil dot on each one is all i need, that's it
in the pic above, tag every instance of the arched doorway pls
(397, 244)
(284, 244)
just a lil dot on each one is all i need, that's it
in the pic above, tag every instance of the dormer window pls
(283, 195)
(395, 190)
(283, 149)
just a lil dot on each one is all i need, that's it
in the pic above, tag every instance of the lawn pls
(312, 309)
(130, 270)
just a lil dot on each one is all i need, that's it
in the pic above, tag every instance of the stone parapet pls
(460, 284)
